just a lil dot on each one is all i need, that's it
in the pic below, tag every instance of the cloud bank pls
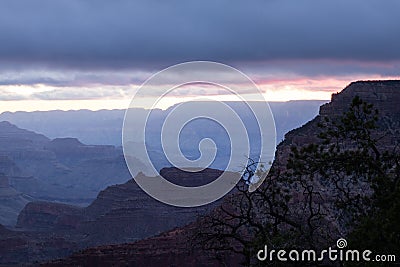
(124, 33)
(81, 49)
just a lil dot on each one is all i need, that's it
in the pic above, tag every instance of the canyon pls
(173, 248)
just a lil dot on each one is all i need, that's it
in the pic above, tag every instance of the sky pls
(73, 54)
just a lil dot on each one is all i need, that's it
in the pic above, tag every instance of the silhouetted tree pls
(346, 184)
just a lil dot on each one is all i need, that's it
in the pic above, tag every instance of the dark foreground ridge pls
(120, 214)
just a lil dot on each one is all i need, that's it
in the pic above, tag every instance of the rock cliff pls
(11, 200)
(120, 214)
(62, 170)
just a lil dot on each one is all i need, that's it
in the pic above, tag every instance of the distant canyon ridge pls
(70, 156)
(104, 127)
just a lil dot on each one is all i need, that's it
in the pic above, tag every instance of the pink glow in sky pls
(31, 97)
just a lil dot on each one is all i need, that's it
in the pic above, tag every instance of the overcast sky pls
(98, 50)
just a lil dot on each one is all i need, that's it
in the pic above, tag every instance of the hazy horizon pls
(125, 106)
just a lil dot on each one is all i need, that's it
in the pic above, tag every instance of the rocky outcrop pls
(17, 248)
(71, 151)
(62, 170)
(46, 216)
(120, 214)
(171, 248)
(125, 213)
(384, 95)
(11, 201)
(12, 137)
(190, 178)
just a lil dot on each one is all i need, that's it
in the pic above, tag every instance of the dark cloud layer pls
(122, 33)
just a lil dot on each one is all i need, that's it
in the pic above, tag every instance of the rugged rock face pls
(17, 248)
(63, 170)
(120, 214)
(45, 216)
(171, 248)
(186, 178)
(125, 213)
(12, 137)
(58, 164)
(70, 151)
(11, 201)
(384, 95)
